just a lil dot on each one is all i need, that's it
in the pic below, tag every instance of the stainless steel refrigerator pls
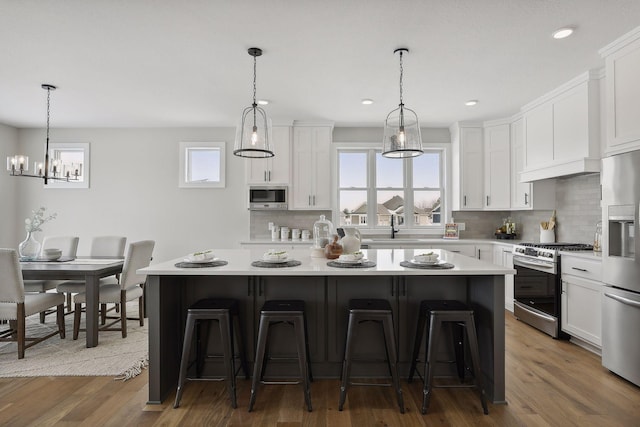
(620, 181)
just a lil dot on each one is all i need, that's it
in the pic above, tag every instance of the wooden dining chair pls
(16, 305)
(69, 247)
(111, 292)
(101, 246)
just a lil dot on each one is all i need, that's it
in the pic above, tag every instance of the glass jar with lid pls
(322, 232)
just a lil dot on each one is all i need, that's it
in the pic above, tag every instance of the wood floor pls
(548, 383)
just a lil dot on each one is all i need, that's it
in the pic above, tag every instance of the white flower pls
(37, 219)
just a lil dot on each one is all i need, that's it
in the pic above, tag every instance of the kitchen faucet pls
(393, 229)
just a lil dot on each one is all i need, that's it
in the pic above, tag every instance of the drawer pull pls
(580, 269)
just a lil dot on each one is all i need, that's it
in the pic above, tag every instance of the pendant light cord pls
(401, 73)
(254, 91)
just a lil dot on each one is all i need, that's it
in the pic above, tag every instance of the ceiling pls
(143, 63)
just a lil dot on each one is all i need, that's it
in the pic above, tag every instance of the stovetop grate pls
(560, 246)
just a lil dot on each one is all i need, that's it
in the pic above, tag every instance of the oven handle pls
(534, 264)
(624, 300)
(535, 312)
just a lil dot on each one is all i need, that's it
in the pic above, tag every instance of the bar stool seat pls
(290, 312)
(436, 313)
(199, 316)
(371, 310)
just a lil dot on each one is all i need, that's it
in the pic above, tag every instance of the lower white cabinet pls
(582, 299)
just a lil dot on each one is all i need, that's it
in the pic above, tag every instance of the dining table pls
(87, 269)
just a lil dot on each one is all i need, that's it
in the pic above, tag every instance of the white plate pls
(200, 261)
(414, 261)
(275, 261)
(343, 261)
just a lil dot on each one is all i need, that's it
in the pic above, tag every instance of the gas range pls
(547, 251)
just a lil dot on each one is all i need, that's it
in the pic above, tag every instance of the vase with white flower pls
(29, 249)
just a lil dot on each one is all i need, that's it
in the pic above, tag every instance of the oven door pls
(537, 295)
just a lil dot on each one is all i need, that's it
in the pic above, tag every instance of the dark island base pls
(326, 299)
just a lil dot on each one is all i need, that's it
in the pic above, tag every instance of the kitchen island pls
(326, 291)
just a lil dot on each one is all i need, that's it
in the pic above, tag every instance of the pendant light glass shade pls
(402, 137)
(253, 135)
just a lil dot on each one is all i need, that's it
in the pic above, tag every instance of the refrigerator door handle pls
(623, 300)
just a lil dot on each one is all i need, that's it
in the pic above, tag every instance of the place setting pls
(200, 260)
(275, 259)
(351, 260)
(428, 260)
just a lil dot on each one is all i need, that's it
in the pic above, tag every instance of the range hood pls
(581, 166)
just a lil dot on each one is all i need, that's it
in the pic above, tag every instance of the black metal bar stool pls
(199, 317)
(371, 310)
(290, 312)
(436, 313)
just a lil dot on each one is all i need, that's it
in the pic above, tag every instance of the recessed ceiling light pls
(471, 102)
(367, 101)
(263, 101)
(562, 33)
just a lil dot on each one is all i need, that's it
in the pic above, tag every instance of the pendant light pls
(253, 137)
(401, 129)
(18, 165)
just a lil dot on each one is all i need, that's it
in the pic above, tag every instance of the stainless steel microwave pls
(268, 197)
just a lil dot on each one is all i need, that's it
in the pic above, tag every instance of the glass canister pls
(322, 232)
(597, 238)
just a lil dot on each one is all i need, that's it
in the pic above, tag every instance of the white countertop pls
(390, 242)
(387, 263)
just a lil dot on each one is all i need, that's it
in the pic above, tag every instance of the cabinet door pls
(581, 308)
(539, 136)
(274, 170)
(472, 174)
(463, 249)
(311, 186)
(497, 170)
(507, 261)
(484, 252)
(571, 125)
(520, 191)
(623, 99)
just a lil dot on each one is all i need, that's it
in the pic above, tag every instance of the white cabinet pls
(460, 248)
(484, 252)
(274, 170)
(311, 183)
(497, 169)
(467, 166)
(522, 193)
(622, 59)
(582, 291)
(562, 131)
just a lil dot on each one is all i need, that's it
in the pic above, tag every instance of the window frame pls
(371, 149)
(83, 147)
(183, 156)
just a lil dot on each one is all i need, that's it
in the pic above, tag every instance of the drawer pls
(581, 267)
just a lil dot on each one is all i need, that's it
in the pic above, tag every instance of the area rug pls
(115, 356)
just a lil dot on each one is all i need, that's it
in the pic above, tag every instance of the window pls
(374, 190)
(69, 160)
(202, 165)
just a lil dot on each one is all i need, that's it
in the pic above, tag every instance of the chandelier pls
(18, 165)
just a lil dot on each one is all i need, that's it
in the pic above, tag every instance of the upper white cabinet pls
(311, 182)
(522, 193)
(562, 131)
(622, 58)
(467, 151)
(497, 167)
(274, 170)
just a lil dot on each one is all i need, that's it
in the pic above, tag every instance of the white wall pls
(134, 191)
(10, 229)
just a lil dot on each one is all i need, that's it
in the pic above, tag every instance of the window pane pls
(427, 209)
(203, 165)
(390, 203)
(353, 207)
(388, 172)
(353, 170)
(426, 170)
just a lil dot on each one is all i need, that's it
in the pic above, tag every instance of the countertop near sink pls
(388, 243)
